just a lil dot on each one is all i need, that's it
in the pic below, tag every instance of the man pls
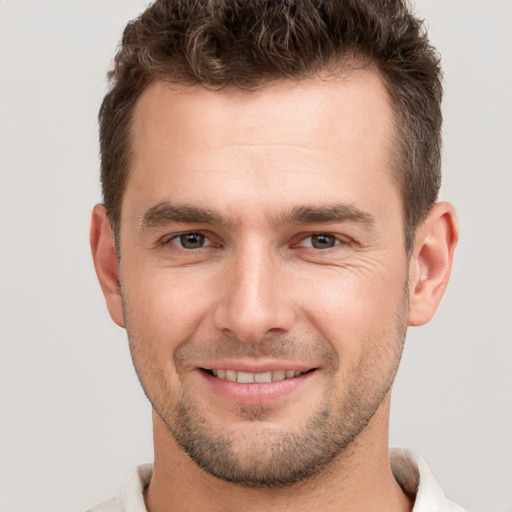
(269, 230)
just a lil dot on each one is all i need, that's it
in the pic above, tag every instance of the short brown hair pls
(248, 43)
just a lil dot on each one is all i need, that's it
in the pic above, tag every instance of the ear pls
(431, 262)
(105, 262)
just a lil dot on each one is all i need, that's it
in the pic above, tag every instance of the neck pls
(360, 479)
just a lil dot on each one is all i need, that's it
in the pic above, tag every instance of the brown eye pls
(190, 241)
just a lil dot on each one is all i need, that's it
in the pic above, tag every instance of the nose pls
(255, 299)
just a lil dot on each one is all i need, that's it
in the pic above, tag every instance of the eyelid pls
(169, 239)
(207, 241)
(340, 240)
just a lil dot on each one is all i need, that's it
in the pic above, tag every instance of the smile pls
(257, 387)
(250, 378)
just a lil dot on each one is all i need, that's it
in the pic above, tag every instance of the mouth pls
(256, 378)
(263, 386)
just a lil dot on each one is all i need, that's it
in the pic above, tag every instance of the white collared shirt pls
(409, 469)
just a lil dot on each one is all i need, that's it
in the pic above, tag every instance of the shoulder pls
(132, 496)
(113, 505)
(416, 479)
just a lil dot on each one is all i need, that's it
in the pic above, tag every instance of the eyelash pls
(188, 233)
(336, 239)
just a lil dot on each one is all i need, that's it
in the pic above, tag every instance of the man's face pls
(262, 239)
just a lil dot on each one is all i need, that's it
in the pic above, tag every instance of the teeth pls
(278, 375)
(231, 375)
(249, 378)
(263, 377)
(245, 378)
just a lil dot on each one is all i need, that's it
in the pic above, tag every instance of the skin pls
(262, 294)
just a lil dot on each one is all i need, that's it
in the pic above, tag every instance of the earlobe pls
(105, 262)
(431, 262)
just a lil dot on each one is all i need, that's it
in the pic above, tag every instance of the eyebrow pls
(168, 213)
(328, 213)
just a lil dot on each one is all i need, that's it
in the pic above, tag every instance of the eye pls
(190, 240)
(320, 241)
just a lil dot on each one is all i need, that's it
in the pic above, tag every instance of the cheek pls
(352, 307)
(166, 304)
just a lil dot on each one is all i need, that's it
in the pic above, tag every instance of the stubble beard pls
(267, 456)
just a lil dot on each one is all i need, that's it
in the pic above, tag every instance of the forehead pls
(282, 142)
(281, 107)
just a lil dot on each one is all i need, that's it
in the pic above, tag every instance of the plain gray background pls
(73, 420)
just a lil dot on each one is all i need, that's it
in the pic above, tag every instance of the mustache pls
(272, 346)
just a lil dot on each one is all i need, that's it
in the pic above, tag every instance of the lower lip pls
(256, 393)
